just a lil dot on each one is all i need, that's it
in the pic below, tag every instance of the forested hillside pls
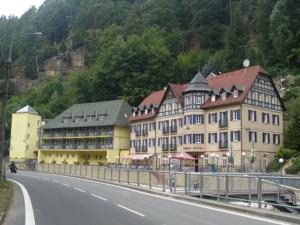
(132, 47)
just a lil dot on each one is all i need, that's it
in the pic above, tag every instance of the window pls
(252, 136)
(146, 111)
(212, 138)
(224, 95)
(276, 139)
(199, 138)
(133, 114)
(252, 115)
(205, 159)
(266, 138)
(235, 93)
(235, 115)
(275, 119)
(212, 118)
(213, 98)
(265, 117)
(235, 136)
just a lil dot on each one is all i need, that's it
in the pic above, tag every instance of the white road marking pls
(78, 189)
(130, 210)
(96, 196)
(183, 202)
(66, 185)
(29, 214)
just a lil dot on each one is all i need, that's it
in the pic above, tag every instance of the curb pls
(291, 218)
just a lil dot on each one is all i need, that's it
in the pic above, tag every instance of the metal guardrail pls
(280, 192)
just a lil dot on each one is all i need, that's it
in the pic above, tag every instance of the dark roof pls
(198, 83)
(114, 113)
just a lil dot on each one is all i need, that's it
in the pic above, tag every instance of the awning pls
(183, 156)
(137, 156)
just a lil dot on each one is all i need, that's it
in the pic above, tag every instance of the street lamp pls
(243, 161)
(5, 95)
(202, 161)
(281, 162)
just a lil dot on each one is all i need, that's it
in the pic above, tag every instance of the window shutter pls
(239, 135)
(202, 119)
(185, 120)
(250, 136)
(231, 115)
(158, 141)
(273, 119)
(278, 138)
(216, 137)
(268, 118)
(249, 115)
(263, 137)
(194, 119)
(274, 137)
(231, 136)
(263, 117)
(209, 138)
(184, 139)
(238, 114)
(269, 138)
(209, 118)
(194, 138)
(255, 134)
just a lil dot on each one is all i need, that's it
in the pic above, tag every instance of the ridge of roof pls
(27, 109)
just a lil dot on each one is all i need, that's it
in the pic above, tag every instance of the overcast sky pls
(17, 7)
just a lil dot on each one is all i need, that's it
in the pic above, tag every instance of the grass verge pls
(6, 191)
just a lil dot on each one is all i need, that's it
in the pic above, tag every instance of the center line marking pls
(130, 210)
(66, 185)
(79, 190)
(96, 196)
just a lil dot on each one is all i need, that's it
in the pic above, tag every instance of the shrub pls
(53, 162)
(295, 168)
(100, 163)
(76, 163)
(42, 161)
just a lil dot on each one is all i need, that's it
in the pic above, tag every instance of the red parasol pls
(183, 156)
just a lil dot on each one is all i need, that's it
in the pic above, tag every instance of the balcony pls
(137, 148)
(144, 132)
(173, 147)
(173, 129)
(165, 130)
(223, 123)
(165, 147)
(223, 144)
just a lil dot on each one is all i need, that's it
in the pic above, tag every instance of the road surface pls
(61, 200)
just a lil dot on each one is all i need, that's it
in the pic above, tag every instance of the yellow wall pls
(24, 136)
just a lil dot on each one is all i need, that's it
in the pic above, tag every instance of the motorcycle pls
(13, 169)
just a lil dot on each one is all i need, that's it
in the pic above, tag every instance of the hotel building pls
(233, 118)
(91, 133)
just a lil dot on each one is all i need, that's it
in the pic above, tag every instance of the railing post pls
(189, 183)
(185, 183)
(127, 176)
(58, 168)
(226, 187)
(259, 192)
(278, 189)
(98, 172)
(138, 177)
(86, 166)
(65, 169)
(164, 188)
(175, 182)
(104, 174)
(119, 175)
(150, 186)
(80, 170)
(92, 172)
(201, 185)
(75, 169)
(218, 188)
(48, 167)
(249, 190)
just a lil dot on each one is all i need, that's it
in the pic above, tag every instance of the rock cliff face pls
(63, 63)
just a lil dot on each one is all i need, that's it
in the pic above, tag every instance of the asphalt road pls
(61, 200)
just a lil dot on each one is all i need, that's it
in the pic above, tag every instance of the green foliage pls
(284, 154)
(295, 167)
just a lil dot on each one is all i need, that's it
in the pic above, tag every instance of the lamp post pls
(243, 162)
(217, 156)
(202, 162)
(8, 68)
(281, 162)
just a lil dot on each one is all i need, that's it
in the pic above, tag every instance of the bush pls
(285, 153)
(295, 168)
(53, 162)
(100, 163)
(42, 161)
(76, 163)
(274, 165)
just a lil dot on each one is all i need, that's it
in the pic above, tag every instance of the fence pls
(277, 191)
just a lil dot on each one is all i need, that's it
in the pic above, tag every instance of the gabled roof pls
(113, 112)
(242, 78)
(198, 83)
(27, 109)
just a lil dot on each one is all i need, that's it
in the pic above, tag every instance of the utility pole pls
(3, 112)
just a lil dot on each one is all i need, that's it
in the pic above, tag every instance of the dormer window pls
(224, 95)
(146, 111)
(152, 110)
(235, 93)
(139, 113)
(213, 98)
(133, 114)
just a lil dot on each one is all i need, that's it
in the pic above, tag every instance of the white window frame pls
(213, 138)
(235, 114)
(224, 96)
(235, 136)
(235, 93)
(213, 98)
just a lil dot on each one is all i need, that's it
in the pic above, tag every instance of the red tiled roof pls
(154, 98)
(244, 77)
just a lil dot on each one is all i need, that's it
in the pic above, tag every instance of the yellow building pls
(24, 134)
(233, 118)
(90, 133)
